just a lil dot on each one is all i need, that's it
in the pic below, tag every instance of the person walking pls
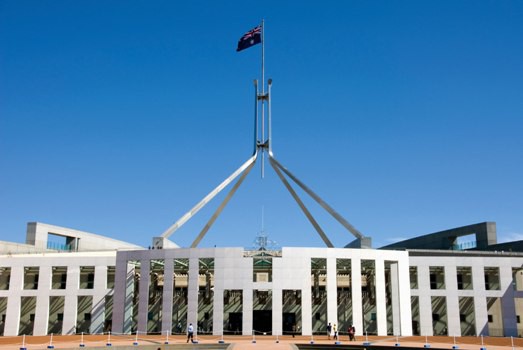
(335, 330)
(190, 333)
(329, 330)
(351, 333)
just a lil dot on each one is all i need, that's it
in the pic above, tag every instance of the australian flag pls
(252, 37)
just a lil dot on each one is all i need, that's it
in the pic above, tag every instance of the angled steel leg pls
(209, 197)
(222, 206)
(300, 203)
(320, 201)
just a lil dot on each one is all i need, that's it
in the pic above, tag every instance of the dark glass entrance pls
(262, 321)
(289, 323)
(235, 323)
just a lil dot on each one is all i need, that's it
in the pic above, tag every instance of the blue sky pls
(116, 117)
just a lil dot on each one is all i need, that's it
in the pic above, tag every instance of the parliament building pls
(435, 284)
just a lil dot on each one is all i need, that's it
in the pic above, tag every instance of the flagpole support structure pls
(262, 144)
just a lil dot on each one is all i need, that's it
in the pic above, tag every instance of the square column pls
(143, 303)
(12, 317)
(247, 311)
(217, 313)
(451, 285)
(277, 310)
(128, 300)
(306, 308)
(332, 292)
(480, 300)
(508, 309)
(42, 301)
(192, 293)
(381, 307)
(394, 288)
(98, 311)
(122, 305)
(167, 297)
(404, 296)
(357, 307)
(425, 301)
(71, 300)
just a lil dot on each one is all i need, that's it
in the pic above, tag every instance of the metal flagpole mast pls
(263, 97)
(263, 55)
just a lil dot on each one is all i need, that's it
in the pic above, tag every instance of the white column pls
(277, 311)
(167, 297)
(403, 286)
(425, 301)
(247, 311)
(126, 299)
(12, 317)
(143, 304)
(357, 307)
(394, 288)
(217, 312)
(221, 262)
(332, 292)
(192, 292)
(480, 300)
(122, 298)
(98, 308)
(306, 307)
(42, 301)
(71, 300)
(508, 308)
(452, 301)
(381, 308)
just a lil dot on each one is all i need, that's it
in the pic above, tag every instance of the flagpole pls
(263, 95)
(263, 55)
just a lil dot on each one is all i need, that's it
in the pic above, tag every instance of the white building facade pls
(123, 288)
(229, 290)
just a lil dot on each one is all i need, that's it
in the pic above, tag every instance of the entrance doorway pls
(235, 323)
(289, 323)
(262, 321)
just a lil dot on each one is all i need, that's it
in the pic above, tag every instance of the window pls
(464, 277)
(492, 278)
(86, 277)
(490, 318)
(31, 277)
(110, 277)
(37, 277)
(437, 277)
(59, 277)
(433, 284)
(262, 269)
(413, 272)
(90, 281)
(5, 278)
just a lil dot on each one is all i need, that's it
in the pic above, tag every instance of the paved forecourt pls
(155, 342)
